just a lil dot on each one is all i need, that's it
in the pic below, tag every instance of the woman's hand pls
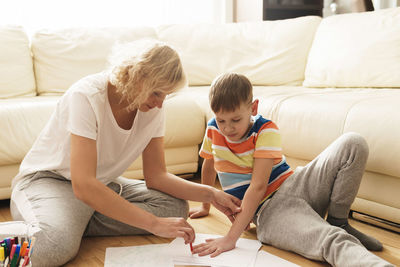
(172, 227)
(227, 204)
(214, 247)
(199, 212)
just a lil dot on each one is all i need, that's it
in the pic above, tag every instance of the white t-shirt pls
(84, 110)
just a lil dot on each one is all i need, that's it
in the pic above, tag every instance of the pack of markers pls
(16, 244)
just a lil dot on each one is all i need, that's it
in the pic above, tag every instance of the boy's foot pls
(368, 241)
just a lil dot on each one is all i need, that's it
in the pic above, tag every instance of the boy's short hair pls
(230, 90)
(143, 67)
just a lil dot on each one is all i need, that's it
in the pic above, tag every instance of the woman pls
(69, 183)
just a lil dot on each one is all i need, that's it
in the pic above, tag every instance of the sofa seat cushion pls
(185, 122)
(324, 114)
(199, 94)
(21, 120)
(16, 68)
(185, 125)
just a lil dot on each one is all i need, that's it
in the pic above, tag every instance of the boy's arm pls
(208, 175)
(261, 172)
(253, 196)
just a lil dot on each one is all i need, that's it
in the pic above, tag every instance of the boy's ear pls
(254, 107)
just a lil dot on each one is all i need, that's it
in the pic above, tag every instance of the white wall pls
(248, 10)
(34, 14)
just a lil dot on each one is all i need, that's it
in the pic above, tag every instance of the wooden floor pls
(92, 251)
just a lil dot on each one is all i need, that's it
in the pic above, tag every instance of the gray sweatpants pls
(293, 219)
(60, 220)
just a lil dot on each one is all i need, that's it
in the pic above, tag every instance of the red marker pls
(191, 247)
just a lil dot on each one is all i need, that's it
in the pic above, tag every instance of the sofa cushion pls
(16, 69)
(185, 122)
(21, 120)
(376, 118)
(356, 50)
(269, 52)
(331, 112)
(63, 56)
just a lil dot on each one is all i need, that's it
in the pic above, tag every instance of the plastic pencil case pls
(19, 229)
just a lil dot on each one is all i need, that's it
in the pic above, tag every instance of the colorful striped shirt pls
(233, 161)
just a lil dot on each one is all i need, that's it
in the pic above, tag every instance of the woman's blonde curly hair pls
(140, 68)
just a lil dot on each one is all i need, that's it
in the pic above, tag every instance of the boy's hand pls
(214, 247)
(199, 212)
(227, 204)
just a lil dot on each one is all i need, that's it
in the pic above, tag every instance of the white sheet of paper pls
(267, 259)
(138, 256)
(243, 255)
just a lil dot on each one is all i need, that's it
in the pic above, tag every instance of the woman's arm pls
(157, 177)
(259, 182)
(208, 175)
(101, 198)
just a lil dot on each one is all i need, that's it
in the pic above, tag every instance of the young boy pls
(288, 207)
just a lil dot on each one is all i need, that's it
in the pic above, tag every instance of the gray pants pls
(60, 220)
(293, 219)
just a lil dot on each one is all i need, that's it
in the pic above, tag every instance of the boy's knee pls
(358, 141)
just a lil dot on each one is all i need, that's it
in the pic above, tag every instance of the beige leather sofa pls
(316, 78)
